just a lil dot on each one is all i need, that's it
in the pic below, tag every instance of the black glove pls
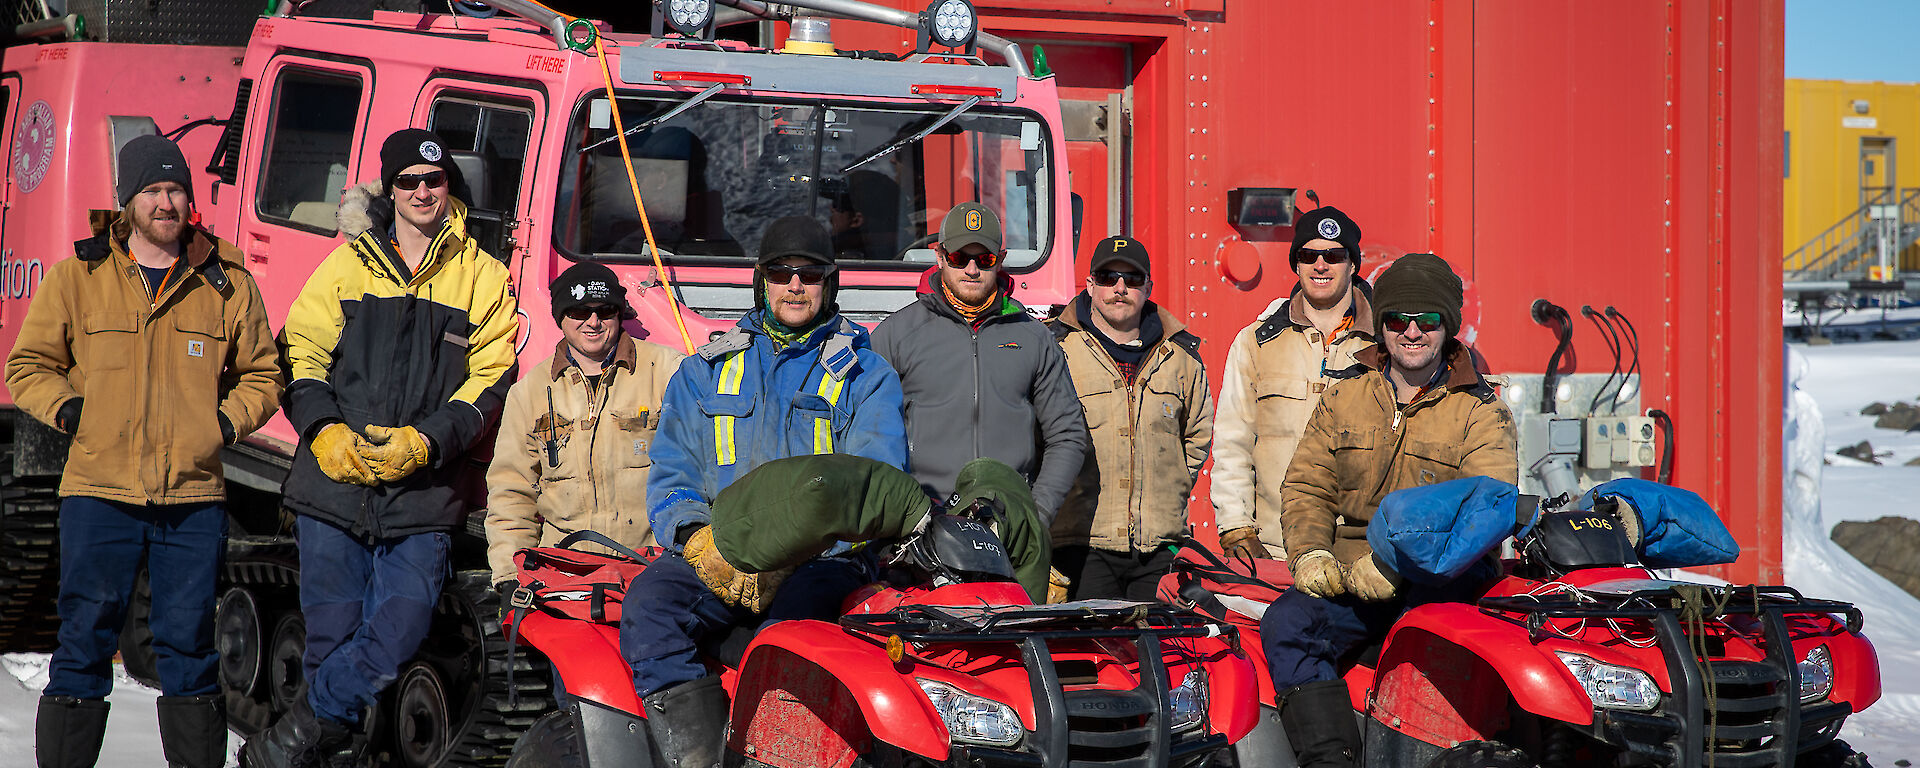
(226, 429)
(67, 419)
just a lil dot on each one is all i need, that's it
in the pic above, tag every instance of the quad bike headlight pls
(1189, 700)
(1610, 686)
(1816, 674)
(973, 719)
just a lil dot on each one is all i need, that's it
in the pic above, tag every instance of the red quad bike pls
(1579, 657)
(946, 662)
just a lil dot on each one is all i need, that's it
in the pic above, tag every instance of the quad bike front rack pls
(1069, 723)
(1755, 702)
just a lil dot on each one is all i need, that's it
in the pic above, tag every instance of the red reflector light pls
(701, 77)
(957, 90)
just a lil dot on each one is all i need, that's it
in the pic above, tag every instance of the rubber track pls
(488, 736)
(29, 564)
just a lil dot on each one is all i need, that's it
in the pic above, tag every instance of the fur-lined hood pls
(366, 207)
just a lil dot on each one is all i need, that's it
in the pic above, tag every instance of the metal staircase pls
(1848, 248)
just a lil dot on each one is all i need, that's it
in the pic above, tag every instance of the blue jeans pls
(1306, 638)
(367, 607)
(670, 616)
(102, 544)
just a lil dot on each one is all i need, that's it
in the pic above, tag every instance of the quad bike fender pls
(1233, 703)
(1438, 671)
(1856, 669)
(846, 695)
(587, 657)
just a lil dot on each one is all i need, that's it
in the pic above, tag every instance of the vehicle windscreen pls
(714, 176)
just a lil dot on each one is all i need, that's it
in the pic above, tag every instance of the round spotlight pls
(952, 22)
(689, 17)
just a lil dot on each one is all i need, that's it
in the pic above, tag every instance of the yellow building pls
(1852, 173)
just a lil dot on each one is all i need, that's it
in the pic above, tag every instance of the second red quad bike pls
(944, 663)
(1580, 657)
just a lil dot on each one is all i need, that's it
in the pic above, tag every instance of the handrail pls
(1839, 249)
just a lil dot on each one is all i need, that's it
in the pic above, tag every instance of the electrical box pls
(1568, 443)
(1625, 441)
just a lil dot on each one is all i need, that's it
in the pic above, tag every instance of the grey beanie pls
(149, 160)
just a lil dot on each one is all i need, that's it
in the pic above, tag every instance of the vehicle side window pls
(309, 147)
(489, 142)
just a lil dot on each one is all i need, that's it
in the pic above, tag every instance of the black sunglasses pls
(601, 311)
(408, 181)
(1107, 277)
(1310, 255)
(810, 274)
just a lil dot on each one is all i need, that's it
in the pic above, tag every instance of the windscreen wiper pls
(924, 132)
(668, 115)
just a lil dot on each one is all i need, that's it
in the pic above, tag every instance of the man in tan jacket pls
(572, 453)
(1414, 412)
(1277, 369)
(151, 349)
(1140, 379)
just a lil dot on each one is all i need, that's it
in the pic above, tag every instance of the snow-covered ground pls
(1833, 384)
(1823, 414)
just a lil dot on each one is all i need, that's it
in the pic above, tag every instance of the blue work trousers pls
(670, 616)
(102, 544)
(367, 607)
(1307, 639)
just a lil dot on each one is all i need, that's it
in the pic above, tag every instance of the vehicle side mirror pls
(490, 229)
(1079, 219)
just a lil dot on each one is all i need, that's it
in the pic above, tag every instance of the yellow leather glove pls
(752, 591)
(394, 452)
(1057, 583)
(1242, 543)
(1318, 574)
(337, 448)
(1372, 581)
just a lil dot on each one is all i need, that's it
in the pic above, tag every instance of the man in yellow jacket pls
(1277, 369)
(1412, 412)
(151, 349)
(401, 351)
(572, 454)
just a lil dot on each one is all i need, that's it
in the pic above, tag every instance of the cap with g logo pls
(970, 224)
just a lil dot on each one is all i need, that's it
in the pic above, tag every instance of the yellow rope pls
(633, 182)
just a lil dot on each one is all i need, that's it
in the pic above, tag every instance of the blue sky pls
(1853, 39)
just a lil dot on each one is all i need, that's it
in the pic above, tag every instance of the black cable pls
(175, 134)
(1633, 339)
(1664, 475)
(1555, 317)
(1612, 336)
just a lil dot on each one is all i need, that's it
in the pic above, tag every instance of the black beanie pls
(149, 160)
(1415, 283)
(415, 146)
(1326, 223)
(587, 282)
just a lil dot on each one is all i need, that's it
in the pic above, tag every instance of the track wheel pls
(286, 665)
(420, 723)
(236, 633)
(552, 742)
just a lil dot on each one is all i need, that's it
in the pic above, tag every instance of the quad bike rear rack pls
(1080, 727)
(1757, 703)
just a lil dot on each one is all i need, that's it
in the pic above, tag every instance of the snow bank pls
(133, 730)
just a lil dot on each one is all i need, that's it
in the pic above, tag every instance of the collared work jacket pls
(573, 457)
(1277, 369)
(1361, 445)
(157, 371)
(1150, 437)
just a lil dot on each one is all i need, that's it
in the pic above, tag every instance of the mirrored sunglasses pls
(810, 274)
(1397, 322)
(987, 260)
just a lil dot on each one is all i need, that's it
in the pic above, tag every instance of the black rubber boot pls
(688, 723)
(1318, 718)
(193, 731)
(67, 731)
(297, 740)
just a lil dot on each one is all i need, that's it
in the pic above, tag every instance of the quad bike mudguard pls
(583, 652)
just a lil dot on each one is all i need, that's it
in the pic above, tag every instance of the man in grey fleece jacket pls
(981, 377)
